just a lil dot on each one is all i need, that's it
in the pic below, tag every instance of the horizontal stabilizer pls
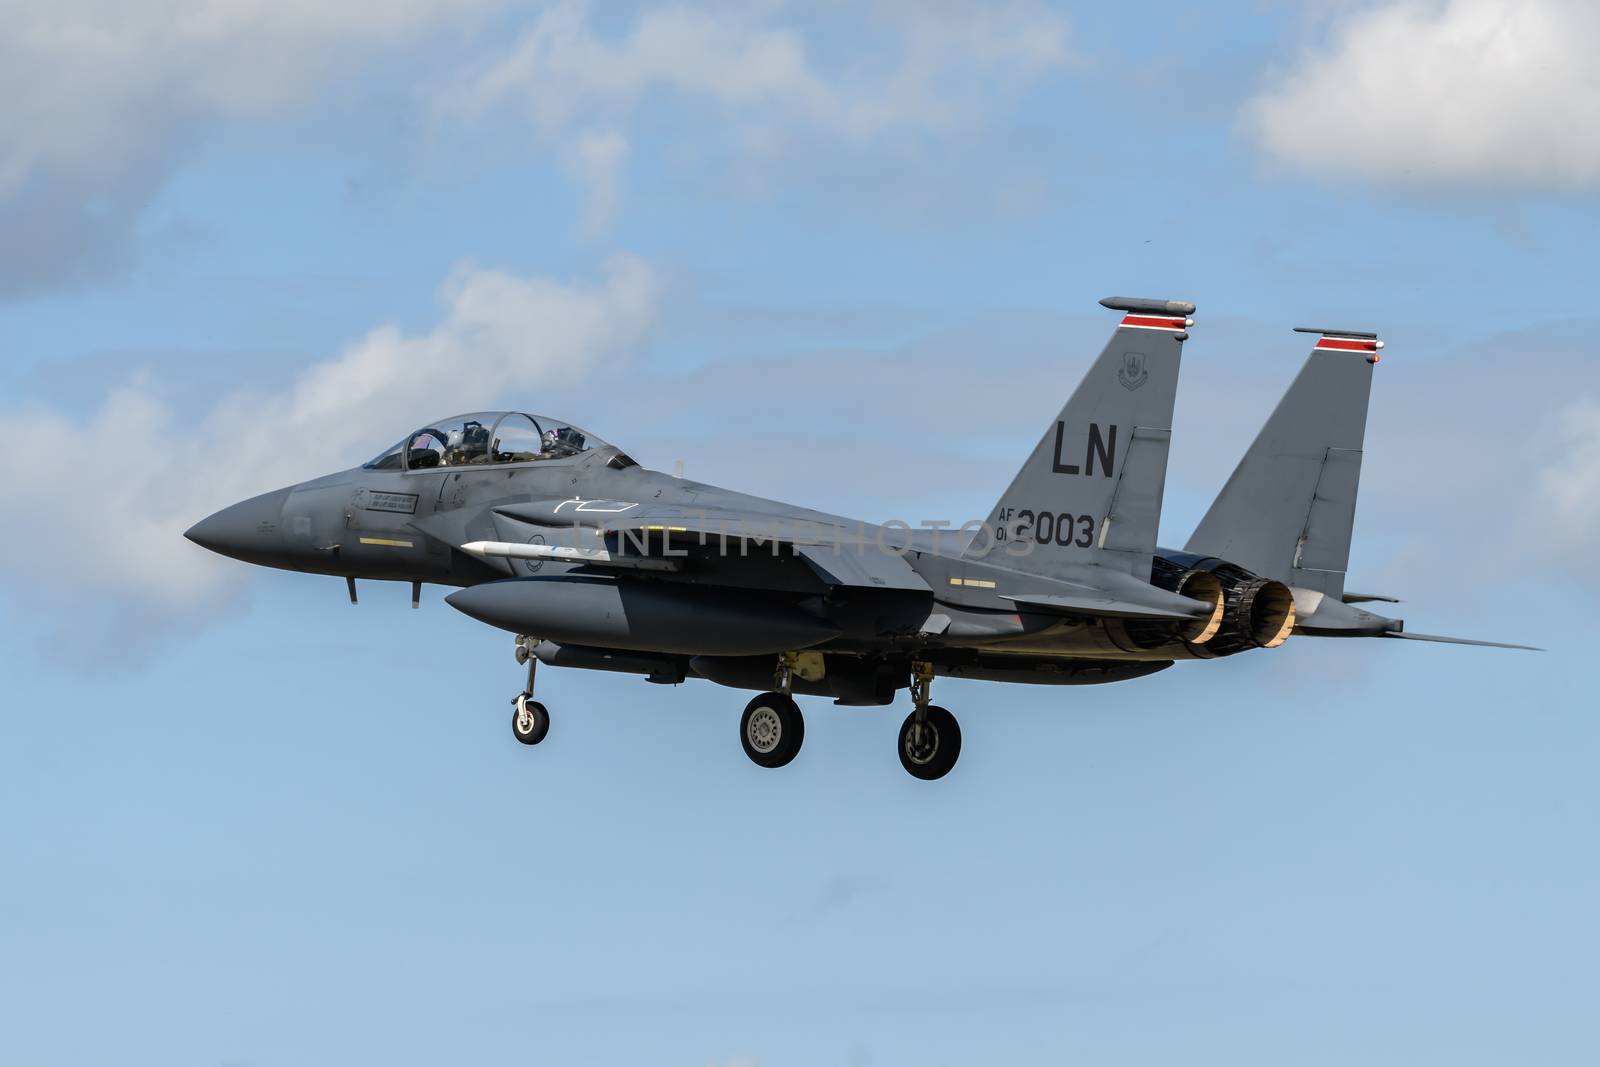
(1457, 641)
(1368, 598)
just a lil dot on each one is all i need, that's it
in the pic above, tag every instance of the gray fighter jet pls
(596, 562)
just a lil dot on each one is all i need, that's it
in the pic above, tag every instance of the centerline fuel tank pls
(643, 616)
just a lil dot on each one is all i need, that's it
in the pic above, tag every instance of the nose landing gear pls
(930, 738)
(530, 721)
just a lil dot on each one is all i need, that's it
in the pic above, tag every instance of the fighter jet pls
(595, 562)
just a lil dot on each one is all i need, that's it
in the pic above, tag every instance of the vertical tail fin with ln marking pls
(1091, 490)
(1289, 508)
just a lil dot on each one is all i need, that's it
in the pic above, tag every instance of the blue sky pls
(847, 256)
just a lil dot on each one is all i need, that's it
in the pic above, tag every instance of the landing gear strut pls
(530, 721)
(772, 728)
(930, 738)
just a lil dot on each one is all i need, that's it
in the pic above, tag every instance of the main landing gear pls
(930, 738)
(530, 721)
(772, 728)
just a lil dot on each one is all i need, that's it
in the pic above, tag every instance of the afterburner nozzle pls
(1203, 586)
(1267, 609)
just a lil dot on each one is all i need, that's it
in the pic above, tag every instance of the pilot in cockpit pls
(561, 441)
(470, 444)
(484, 438)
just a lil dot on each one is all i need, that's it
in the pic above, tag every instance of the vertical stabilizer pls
(1289, 509)
(1090, 492)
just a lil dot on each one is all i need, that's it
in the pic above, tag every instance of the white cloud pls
(560, 68)
(749, 58)
(1468, 91)
(757, 71)
(99, 97)
(104, 513)
(101, 100)
(87, 84)
(1568, 506)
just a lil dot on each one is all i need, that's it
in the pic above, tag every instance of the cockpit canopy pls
(485, 438)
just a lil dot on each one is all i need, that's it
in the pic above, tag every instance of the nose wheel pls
(930, 738)
(530, 720)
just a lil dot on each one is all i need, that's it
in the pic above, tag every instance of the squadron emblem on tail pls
(1133, 373)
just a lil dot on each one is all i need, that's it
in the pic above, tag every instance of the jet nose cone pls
(250, 530)
(487, 603)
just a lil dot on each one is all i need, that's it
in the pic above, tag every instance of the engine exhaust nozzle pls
(1206, 587)
(1266, 612)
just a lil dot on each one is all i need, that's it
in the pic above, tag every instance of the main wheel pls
(929, 751)
(530, 721)
(772, 729)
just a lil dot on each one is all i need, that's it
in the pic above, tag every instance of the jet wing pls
(870, 569)
(701, 524)
(866, 570)
(842, 553)
(620, 533)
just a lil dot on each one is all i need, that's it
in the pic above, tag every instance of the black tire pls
(939, 748)
(772, 730)
(537, 729)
